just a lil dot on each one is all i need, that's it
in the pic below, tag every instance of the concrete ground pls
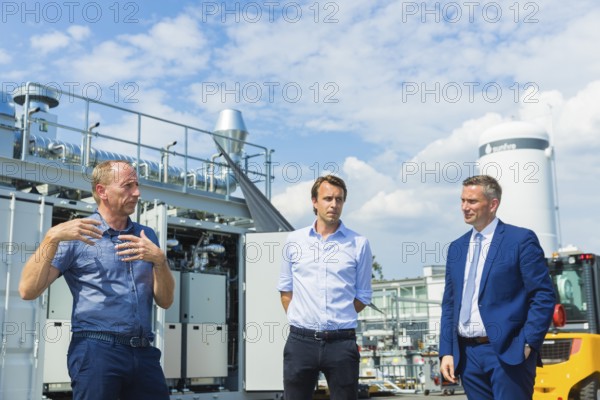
(459, 395)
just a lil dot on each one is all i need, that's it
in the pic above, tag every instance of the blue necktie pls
(465, 309)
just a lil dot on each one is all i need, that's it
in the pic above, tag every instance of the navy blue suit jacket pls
(516, 295)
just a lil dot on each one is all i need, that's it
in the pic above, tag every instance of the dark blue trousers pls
(485, 377)
(102, 370)
(304, 357)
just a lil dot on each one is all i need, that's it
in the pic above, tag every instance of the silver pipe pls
(86, 138)
(144, 170)
(212, 171)
(33, 97)
(185, 159)
(68, 153)
(139, 140)
(85, 161)
(211, 248)
(25, 138)
(165, 161)
(59, 147)
(268, 168)
(192, 175)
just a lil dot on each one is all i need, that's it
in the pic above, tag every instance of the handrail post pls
(25, 138)
(268, 171)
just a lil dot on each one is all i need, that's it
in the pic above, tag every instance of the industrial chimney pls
(230, 124)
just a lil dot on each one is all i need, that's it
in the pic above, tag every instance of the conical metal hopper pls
(231, 125)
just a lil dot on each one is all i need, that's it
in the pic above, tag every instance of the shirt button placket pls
(322, 268)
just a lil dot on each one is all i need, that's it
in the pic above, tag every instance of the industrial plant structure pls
(190, 197)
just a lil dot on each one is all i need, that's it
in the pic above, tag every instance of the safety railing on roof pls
(162, 164)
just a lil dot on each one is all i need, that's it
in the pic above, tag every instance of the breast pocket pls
(88, 266)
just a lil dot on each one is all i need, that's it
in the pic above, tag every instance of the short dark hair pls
(491, 187)
(332, 180)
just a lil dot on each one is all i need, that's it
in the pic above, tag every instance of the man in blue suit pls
(498, 301)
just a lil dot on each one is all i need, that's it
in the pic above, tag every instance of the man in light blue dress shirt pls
(325, 282)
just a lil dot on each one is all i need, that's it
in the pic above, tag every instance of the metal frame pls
(237, 219)
(87, 134)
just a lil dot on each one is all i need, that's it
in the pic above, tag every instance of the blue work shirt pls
(325, 277)
(109, 295)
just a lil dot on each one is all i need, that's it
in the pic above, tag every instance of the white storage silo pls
(519, 155)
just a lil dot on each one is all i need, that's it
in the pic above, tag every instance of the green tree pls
(377, 272)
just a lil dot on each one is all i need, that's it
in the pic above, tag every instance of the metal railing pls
(190, 162)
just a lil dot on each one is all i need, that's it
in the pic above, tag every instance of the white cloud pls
(458, 147)
(107, 63)
(156, 133)
(5, 57)
(398, 204)
(295, 204)
(575, 122)
(559, 58)
(178, 40)
(376, 52)
(50, 42)
(360, 171)
(79, 32)
(56, 40)
(171, 47)
(578, 124)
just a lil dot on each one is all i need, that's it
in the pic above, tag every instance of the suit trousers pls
(304, 357)
(102, 370)
(485, 377)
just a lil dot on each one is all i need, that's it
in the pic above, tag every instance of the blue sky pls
(361, 88)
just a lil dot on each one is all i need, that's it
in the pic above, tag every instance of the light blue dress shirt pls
(325, 277)
(475, 326)
(109, 295)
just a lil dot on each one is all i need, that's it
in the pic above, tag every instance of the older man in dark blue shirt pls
(114, 269)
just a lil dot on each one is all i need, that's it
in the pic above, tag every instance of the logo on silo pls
(502, 147)
(521, 143)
